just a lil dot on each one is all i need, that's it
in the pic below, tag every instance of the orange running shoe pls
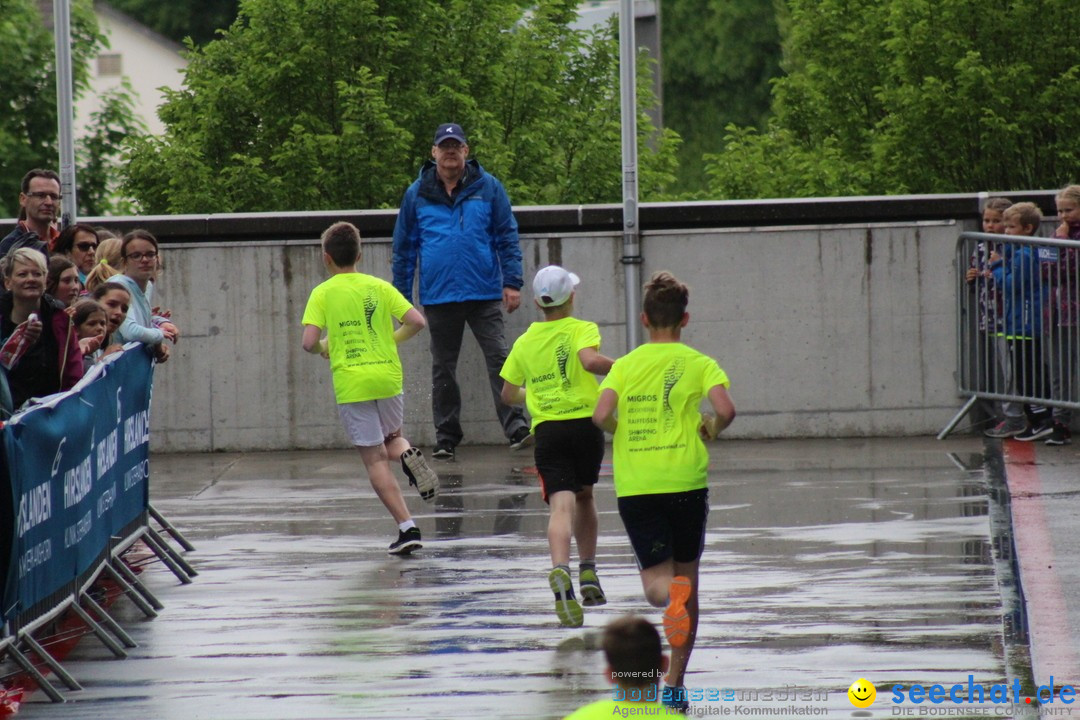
(676, 619)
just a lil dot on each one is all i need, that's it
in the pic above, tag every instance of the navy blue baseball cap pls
(450, 131)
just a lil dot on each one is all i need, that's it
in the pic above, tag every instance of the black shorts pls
(568, 455)
(666, 525)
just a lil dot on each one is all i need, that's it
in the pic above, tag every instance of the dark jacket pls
(54, 363)
(22, 236)
(466, 245)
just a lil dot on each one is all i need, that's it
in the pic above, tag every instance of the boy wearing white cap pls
(551, 369)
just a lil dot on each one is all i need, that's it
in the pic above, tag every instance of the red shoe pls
(676, 619)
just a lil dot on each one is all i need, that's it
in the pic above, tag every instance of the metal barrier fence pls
(1018, 327)
(75, 474)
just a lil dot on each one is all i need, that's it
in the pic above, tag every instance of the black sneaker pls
(406, 542)
(420, 474)
(522, 438)
(443, 451)
(1036, 432)
(1061, 435)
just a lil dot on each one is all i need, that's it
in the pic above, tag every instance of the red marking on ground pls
(63, 638)
(1052, 652)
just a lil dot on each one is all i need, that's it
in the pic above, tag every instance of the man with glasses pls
(455, 222)
(39, 205)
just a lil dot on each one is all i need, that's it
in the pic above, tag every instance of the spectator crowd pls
(71, 297)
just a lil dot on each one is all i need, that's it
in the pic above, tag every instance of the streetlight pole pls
(631, 257)
(64, 111)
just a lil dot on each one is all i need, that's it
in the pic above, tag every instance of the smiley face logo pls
(862, 693)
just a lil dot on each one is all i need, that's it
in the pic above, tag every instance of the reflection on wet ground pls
(826, 561)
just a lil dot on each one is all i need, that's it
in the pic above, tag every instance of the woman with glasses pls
(49, 360)
(138, 266)
(78, 243)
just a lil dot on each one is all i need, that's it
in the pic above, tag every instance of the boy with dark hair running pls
(358, 312)
(661, 463)
(551, 369)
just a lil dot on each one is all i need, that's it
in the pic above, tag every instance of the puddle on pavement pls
(825, 562)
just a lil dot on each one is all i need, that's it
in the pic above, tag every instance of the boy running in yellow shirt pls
(358, 312)
(661, 463)
(551, 369)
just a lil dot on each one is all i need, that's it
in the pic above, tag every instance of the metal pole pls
(631, 257)
(64, 111)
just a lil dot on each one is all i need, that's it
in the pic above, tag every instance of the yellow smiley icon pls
(862, 693)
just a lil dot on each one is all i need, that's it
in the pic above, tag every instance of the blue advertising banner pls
(78, 469)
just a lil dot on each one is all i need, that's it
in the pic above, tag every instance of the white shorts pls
(370, 422)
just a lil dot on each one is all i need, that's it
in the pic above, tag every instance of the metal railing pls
(1018, 325)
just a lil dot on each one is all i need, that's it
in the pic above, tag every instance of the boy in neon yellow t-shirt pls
(358, 312)
(550, 369)
(635, 663)
(661, 462)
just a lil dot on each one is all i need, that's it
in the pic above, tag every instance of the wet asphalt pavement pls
(825, 561)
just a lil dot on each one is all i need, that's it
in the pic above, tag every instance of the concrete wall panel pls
(825, 331)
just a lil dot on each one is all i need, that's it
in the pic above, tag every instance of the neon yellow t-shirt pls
(656, 446)
(357, 312)
(545, 360)
(607, 709)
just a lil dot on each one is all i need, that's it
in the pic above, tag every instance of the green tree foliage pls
(28, 124)
(179, 19)
(719, 57)
(321, 104)
(915, 96)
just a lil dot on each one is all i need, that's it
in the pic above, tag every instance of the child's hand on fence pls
(90, 344)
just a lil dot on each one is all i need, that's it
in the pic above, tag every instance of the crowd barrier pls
(1018, 322)
(77, 471)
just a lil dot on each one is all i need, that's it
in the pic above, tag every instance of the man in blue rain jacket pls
(455, 222)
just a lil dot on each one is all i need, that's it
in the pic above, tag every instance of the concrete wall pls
(826, 330)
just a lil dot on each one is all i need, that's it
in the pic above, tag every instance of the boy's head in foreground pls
(341, 245)
(665, 302)
(634, 655)
(1022, 219)
(553, 289)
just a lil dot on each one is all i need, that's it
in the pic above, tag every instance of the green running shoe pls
(566, 605)
(591, 592)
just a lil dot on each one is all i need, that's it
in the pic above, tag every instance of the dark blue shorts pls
(666, 525)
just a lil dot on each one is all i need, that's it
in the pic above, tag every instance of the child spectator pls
(1063, 335)
(50, 360)
(90, 323)
(635, 664)
(552, 369)
(1023, 292)
(995, 372)
(139, 258)
(358, 311)
(116, 300)
(107, 260)
(661, 464)
(62, 280)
